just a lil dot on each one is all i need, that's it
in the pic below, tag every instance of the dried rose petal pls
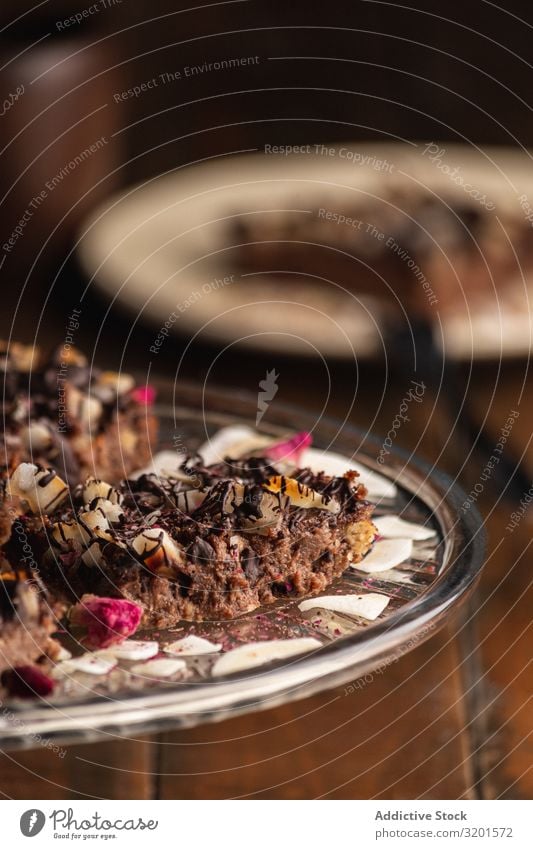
(27, 682)
(107, 621)
(144, 395)
(290, 449)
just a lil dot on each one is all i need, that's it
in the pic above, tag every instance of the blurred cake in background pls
(60, 412)
(410, 249)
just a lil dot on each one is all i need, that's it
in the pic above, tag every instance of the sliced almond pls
(192, 645)
(233, 441)
(163, 667)
(62, 654)
(135, 650)
(385, 554)
(165, 464)
(93, 663)
(257, 654)
(369, 605)
(392, 527)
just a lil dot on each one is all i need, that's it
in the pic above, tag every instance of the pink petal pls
(144, 395)
(290, 449)
(107, 621)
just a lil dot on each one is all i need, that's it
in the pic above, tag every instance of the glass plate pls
(423, 592)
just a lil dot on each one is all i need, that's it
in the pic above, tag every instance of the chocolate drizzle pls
(342, 489)
(248, 470)
(44, 480)
(217, 497)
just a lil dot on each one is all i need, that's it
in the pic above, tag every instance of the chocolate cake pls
(27, 619)
(208, 543)
(59, 412)
(406, 248)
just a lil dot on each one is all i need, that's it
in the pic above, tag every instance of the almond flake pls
(392, 527)
(385, 554)
(192, 645)
(163, 667)
(256, 654)
(369, 605)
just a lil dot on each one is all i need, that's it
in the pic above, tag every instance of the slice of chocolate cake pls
(208, 543)
(61, 413)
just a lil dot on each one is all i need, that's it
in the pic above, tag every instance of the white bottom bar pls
(264, 824)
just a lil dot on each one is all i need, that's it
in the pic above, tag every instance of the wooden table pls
(451, 719)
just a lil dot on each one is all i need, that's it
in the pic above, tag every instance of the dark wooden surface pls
(451, 719)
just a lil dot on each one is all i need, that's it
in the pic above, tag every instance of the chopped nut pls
(301, 495)
(64, 533)
(158, 551)
(36, 437)
(86, 408)
(111, 384)
(112, 512)
(95, 488)
(96, 522)
(163, 667)
(41, 489)
(93, 555)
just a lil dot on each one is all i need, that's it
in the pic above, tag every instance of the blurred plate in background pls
(169, 249)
